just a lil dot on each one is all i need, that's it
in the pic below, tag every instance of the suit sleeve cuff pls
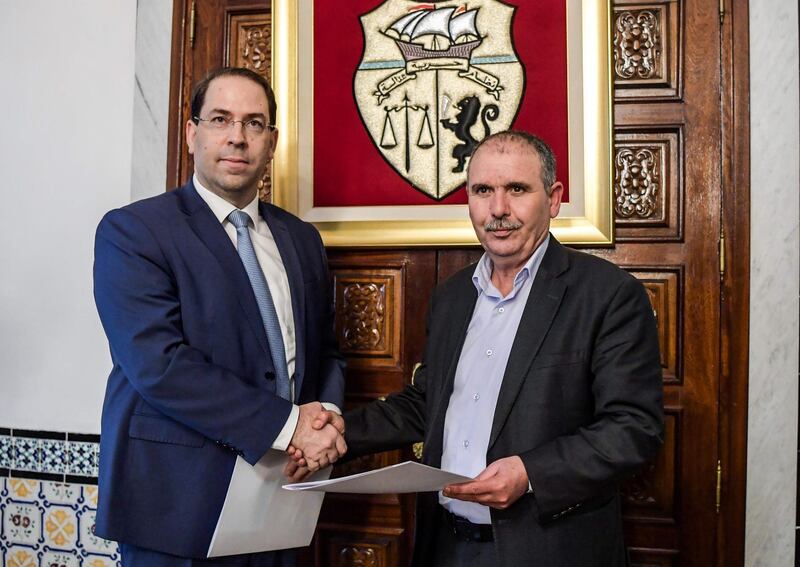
(331, 407)
(285, 436)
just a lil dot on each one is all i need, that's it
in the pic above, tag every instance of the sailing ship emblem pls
(434, 79)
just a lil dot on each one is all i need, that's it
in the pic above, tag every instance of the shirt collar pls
(222, 208)
(482, 276)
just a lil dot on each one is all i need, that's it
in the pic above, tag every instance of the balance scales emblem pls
(434, 80)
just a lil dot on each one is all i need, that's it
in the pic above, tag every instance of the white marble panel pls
(151, 98)
(774, 328)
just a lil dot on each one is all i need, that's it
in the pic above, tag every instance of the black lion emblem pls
(469, 108)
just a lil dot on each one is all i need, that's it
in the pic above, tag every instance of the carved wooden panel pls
(664, 290)
(646, 48)
(648, 185)
(368, 306)
(250, 42)
(249, 45)
(643, 557)
(650, 494)
(359, 550)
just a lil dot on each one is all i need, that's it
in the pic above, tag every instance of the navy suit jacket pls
(192, 384)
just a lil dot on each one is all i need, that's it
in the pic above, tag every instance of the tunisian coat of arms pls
(435, 79)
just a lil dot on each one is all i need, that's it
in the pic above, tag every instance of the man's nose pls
(499, 206)
(236, 133)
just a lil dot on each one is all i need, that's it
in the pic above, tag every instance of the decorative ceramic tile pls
(22, 523)
(26, 453)
(20, 557)
(23, 489)
(99, 561)
(90, 496)
(88, 540)
(53, 456)
(59, 559)
(5, 452)
(82, 458)
(60, 527)
(60, 493)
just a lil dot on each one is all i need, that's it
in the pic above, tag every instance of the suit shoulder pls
(152, 208)
(587, 265)
(292, 222)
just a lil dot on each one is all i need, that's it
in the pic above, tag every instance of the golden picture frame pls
(586, 220)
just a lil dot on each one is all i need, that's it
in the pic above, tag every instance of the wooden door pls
(680, 183)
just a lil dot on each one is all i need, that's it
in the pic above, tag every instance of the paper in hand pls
(409, 476)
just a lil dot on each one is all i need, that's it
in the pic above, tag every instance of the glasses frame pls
(229, 124)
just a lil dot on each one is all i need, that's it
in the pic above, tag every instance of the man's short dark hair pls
(546, 157)
(200, 89)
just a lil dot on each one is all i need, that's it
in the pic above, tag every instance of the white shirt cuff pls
(285, 436)
(332, 407)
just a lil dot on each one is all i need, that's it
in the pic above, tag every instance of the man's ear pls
(191, 132)
(556, 192)
(274, 143)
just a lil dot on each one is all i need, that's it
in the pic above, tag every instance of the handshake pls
(318, 441)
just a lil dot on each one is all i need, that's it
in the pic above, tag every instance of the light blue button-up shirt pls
(479, 375)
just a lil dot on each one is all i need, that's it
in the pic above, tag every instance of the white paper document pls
(409, 476)
(258, 516)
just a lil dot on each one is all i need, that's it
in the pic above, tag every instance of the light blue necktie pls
(266, 306)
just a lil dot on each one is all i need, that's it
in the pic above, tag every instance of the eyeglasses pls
(253, 126)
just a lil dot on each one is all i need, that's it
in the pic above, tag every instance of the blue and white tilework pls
(82, 458)
(5, 452)
(53, 456)
(25, 452)
(48, 501)
(46, 524)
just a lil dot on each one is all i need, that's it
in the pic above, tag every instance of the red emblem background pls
(348, 168)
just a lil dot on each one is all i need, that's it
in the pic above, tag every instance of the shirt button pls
(489, 352)
(501, 310)
(476, 396)
(466, 444)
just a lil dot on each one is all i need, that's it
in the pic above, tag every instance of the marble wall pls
(151, 98)
(774, 250)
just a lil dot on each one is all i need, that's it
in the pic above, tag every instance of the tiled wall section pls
(48, 501)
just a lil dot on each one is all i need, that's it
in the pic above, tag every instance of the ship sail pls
(435, 32)
(462, 27)
(402, 28)
(435, 22)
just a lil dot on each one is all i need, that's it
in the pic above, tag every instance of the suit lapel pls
(540, 310)
(291, 263)
(461, 310)
(209, 230)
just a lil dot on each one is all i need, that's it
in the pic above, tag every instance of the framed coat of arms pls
(381, 103)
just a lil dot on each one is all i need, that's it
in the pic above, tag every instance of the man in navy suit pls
(194, 381)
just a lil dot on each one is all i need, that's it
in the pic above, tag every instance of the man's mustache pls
(501, 224)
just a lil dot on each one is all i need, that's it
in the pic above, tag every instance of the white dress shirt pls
(269, 258)
(479, 376)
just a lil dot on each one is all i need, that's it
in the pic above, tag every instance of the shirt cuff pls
(285, 436)
(332, 407)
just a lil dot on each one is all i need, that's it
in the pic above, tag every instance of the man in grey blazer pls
(540, 379)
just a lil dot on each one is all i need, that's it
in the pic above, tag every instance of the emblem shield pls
(435, 79)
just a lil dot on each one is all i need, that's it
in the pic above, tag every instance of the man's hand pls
(296, 472)
(317, 447)
(499, 485)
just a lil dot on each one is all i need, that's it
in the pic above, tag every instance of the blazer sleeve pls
(395, 422)
(626, 429)
(332, 363)
(138, 303)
